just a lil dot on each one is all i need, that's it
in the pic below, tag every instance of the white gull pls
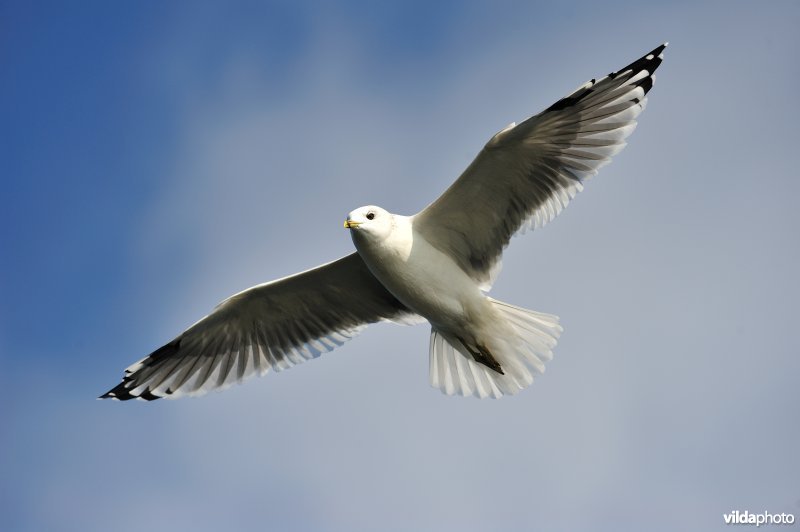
(436, 265)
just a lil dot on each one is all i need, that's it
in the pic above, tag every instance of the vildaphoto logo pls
(765, 518)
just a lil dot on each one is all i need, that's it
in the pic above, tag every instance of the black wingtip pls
(660, 48)
(118, 392)
(121, 393)
(648, 62)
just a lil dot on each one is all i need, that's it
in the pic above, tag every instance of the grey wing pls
(527, 173)
(275, 325)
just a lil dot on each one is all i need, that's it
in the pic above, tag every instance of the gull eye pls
(370, 215)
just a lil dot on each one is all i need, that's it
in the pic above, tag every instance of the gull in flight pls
(437, 265)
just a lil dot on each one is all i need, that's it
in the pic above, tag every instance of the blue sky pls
(157, 158)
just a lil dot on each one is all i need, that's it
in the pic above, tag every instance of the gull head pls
(370, 222)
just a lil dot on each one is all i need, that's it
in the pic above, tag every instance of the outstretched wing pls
(275, 325)
(527, 173)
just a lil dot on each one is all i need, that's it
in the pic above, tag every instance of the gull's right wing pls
(275, 325)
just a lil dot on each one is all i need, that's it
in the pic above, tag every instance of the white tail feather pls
(454, 370)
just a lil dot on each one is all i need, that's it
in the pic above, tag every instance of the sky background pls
(158, 156)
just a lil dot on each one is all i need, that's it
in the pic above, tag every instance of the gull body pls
(475, 350)
(425, 279)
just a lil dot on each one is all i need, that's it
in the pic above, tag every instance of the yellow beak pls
(350, 224)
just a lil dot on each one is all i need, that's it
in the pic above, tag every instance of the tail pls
(457, 370)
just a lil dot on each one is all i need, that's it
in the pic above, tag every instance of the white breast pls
(423, 278)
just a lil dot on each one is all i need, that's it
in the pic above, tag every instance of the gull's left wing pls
(527, 173)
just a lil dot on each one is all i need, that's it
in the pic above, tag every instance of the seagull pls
(437, 265)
